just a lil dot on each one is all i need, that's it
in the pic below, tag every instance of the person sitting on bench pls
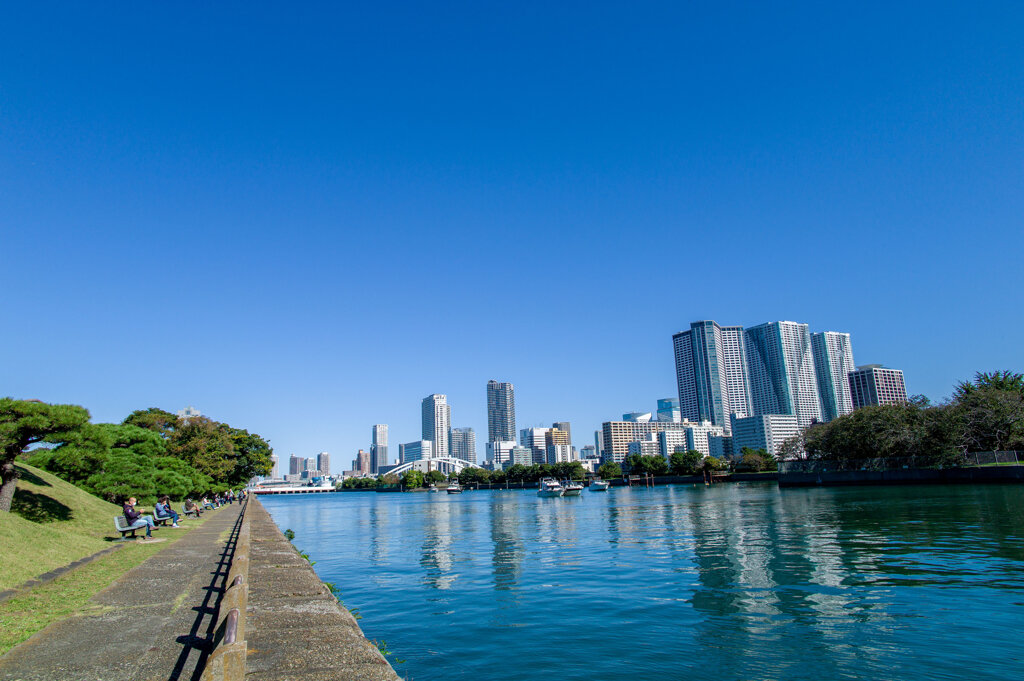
(207, 504)
(192, 507)
(163, 511)
(136, 520)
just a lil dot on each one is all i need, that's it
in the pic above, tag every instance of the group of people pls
(162, 510)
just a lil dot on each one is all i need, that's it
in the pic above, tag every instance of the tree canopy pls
(24, 423)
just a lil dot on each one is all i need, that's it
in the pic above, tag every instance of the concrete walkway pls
(153, 624)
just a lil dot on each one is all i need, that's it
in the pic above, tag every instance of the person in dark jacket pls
(136, 521)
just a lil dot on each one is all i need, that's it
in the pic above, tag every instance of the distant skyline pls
(302, 220)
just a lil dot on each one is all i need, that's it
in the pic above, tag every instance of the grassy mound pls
(51, 524)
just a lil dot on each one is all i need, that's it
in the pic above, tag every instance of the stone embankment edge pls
(352, 655)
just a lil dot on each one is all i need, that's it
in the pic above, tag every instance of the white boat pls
(549, 487)
(572, 489)
(432, 488)
(455, 488)
(600, 486)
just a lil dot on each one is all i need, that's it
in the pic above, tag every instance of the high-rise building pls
(464, 444)
(668, 410)
(535, 439)
(296, 464)
(766, 431)
(437, 421)
(274, 471)
(873, 384)
(565, 428)
(501, 412)
(362, 463)
(379, 447)
(833, 362)
(323, 463)
(781, 370)
(711, 372)
(637, 416)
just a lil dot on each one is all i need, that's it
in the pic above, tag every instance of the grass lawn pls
(31, 611)
(51, 524)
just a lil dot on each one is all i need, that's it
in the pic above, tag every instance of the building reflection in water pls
(436, 556)
(506, 545)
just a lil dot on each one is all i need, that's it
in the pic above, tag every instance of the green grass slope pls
(51, 524)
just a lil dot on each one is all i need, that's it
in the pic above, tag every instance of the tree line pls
(985, 414)
(151, 453)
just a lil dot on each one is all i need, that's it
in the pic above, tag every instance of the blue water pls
(736, 581)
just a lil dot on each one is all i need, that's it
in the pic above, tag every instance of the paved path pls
(153, 624)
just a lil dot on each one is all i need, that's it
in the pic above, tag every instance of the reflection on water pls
(731, 581)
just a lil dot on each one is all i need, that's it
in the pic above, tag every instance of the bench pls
(123, 527)
(186, 513)
(161, 519)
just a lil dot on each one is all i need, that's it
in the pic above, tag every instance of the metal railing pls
(970, 459)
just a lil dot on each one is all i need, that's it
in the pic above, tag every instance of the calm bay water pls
(736, 581)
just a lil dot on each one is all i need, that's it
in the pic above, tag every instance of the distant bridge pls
(445, 464)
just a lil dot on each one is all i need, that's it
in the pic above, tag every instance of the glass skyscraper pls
(833, 362)
(780, 366)
(711, 373)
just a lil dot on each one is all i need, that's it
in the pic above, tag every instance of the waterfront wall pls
(296, 629)
(903, 476)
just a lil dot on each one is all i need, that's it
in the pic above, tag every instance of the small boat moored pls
(571, 489)
(600, 486)
(549, 487)
(454, 488)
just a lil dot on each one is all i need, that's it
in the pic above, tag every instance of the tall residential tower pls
(711, 373)
(437, 421)
(379, 447)
(780, 367)
(833, 362)
(501, 412)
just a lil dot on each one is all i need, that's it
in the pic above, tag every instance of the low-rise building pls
(767, 432)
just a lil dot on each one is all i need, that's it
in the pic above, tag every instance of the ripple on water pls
(731, 581)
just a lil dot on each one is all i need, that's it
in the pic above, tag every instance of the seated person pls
(191, 507)
(163, 510)
(135, 518)
(207, 504)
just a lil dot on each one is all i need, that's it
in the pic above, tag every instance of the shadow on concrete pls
(39, 508)
(200, 638)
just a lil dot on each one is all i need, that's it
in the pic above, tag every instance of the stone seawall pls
(296, 629)
(904, 476)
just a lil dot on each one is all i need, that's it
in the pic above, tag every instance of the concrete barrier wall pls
(296, 629)
(905, 476)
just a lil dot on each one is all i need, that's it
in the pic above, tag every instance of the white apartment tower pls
(780, 366)
(711, 373)
(464, 444)
(437, 421)
(379, 447)
(833, 362)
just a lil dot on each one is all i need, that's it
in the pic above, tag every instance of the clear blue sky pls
(303, 218)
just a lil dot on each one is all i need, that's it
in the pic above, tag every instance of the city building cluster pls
(738, 388)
